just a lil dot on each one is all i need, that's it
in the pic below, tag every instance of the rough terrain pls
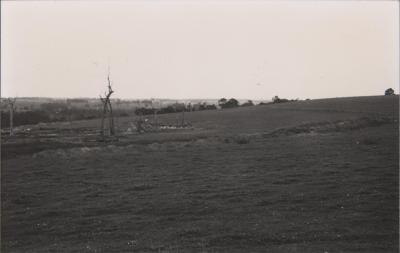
(307, 176)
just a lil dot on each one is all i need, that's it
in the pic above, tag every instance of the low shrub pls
(241, 139)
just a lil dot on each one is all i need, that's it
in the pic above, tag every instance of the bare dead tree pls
(11, 106)
(107, 110)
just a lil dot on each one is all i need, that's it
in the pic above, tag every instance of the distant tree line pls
(51, 113)
(177, 107)
(232, 103)
(276, 100)
(24, 118)
(223, 103)
(59, 111)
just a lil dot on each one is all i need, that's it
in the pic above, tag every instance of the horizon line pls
(154, 98)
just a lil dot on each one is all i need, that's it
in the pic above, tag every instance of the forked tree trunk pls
(103, 119)
(107, 110)
(111, 119)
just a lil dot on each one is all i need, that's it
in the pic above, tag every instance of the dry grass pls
(203, 190)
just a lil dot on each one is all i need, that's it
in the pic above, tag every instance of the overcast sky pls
(255, 50)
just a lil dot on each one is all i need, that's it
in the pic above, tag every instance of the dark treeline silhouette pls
(231, 103)
(276, 100)
(175, 108)
(25, 118)
(59, 111)
(46, 116)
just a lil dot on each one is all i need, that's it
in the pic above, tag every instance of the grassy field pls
(309, 176)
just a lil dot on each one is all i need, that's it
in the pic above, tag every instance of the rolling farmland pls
(307, 176)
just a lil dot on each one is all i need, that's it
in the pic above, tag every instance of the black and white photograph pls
(216, 126)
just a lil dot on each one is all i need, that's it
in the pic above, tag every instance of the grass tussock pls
(242, 139)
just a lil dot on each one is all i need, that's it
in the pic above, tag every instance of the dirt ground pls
(311, 176)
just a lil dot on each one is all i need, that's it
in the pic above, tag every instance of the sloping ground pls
(333, 126)
(244, 118)
(248, 120)
(382, 105)
(260, 179)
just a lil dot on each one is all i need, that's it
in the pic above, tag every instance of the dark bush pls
(24, 118)
(231, 103)
(144, 111)
(241, 139)
(389, 92)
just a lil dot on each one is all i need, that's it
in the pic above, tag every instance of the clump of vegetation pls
(44, 115)
(242, 139)
(24, 118)
(389, 92)
(177, 107)
(231, 103)
(276, 100)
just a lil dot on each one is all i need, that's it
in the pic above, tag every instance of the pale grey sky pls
(241, 49)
